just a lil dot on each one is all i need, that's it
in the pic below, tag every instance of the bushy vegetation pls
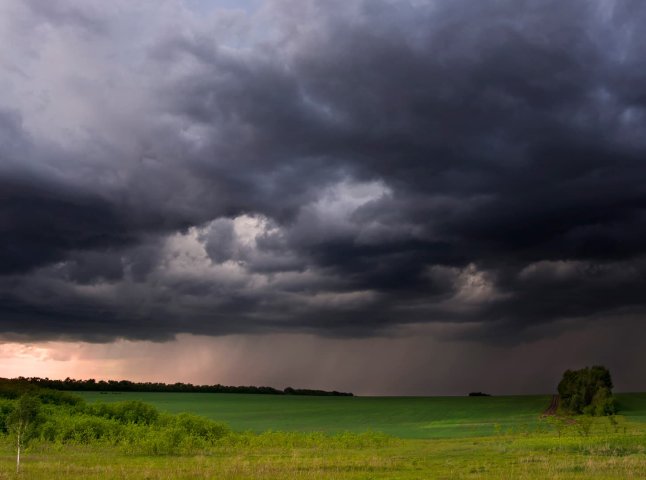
(587, 391)
(133, 426)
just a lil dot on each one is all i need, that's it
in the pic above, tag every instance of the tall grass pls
(601, 454)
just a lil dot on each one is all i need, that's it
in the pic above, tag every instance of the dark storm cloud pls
(339, 167)
(42, 224)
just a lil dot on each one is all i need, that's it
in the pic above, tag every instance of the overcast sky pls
(384, 196)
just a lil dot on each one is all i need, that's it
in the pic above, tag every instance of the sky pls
(389, 197)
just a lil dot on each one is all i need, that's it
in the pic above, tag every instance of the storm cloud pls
(338, 168)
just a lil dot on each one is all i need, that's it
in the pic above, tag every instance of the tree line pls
(92, 385)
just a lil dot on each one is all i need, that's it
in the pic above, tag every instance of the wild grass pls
(604, 452)
(133, 440)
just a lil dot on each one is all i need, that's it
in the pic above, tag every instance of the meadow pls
(603, 454)
(402, 417)
(316, 438)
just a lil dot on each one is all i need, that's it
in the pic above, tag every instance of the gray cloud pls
(340, 169)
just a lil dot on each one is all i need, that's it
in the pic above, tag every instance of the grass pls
(437, 438)
(604, 454)
(403, 417)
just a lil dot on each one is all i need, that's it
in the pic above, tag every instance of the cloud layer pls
(337, 168)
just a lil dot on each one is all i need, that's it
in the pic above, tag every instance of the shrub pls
(137, 427)
(80, 428)
(588, 390)
(131, 411)
(602, 403)
(6, 407)
(200, 427)
(55, 397)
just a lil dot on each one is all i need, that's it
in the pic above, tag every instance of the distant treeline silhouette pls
(92, 385)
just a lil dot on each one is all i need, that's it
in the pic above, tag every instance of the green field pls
(632, 406)
(432, 437)
(604, 453)
(404, 417)
(508, 456)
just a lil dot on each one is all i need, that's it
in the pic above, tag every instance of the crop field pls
(339, 438)
(403, 417)
(632, 406)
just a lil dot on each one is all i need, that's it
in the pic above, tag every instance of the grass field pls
(632, 406)
(436, 438)
(603, 454)
(404, 417)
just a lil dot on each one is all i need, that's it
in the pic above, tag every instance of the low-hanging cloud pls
(337, 168)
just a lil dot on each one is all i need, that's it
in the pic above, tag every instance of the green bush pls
(182, 437)
(6, 407)
(135, 426)
(132, 411)
(588, 390)
(200, 427)
(80, 428)
(55, 397)
(603, 403)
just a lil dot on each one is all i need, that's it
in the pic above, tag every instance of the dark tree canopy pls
(479, 394)
(588, 390)
(12, 388)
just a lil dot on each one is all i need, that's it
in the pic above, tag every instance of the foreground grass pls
(607, 451)
(472, 438)
(403, 417)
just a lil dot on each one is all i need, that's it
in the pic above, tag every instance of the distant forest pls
(92, 385)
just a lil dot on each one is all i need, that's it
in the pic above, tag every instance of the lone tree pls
(588, 390)
(22, 420)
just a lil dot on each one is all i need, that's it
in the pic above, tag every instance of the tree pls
(22, 420)
(588, 390)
